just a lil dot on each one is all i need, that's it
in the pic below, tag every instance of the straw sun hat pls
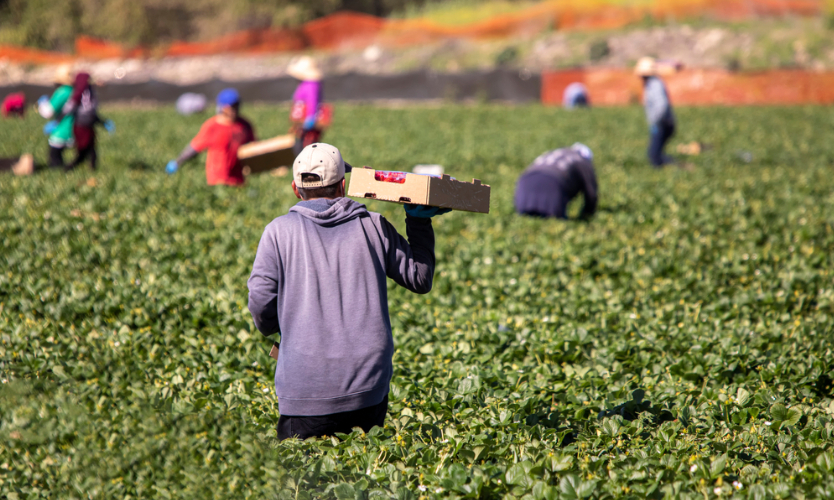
(63, 75)
(646, 66)
(305, 69)
(649, 66)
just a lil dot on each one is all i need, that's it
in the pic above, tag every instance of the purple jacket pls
(310, 94)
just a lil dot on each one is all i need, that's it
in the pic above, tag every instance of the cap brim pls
(348, 167)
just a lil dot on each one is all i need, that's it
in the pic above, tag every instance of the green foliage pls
(598, 50)
(506, 56)
(54, 25)
(461, 12)
(677, 345)
(40, 23)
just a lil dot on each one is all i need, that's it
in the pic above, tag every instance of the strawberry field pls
(677, 346)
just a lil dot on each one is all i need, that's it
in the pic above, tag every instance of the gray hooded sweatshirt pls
(319, 278)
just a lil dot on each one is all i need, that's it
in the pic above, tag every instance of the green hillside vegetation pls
(54, 25)
(678, 345)
(760, 44)
(458, 12)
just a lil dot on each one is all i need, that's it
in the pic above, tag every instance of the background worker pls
(576, 96)
(319, 278)
(554, 179)
(221, 135)
(13, 104)
(59, 127)
(191, 103)
(307, 99)
(83, 107)
(658, 111)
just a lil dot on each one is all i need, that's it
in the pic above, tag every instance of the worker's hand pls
(172, 167)
(309, 123)
(654, 130)
(424, 211)
(50, 127)
(109, 126)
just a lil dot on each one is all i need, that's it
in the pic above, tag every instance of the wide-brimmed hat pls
(63, 75)
(646, 66)
(305, 69)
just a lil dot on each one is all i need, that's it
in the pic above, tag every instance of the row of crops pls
(677, 346)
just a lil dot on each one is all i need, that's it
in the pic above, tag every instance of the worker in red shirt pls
(14, 105)
(221, 135)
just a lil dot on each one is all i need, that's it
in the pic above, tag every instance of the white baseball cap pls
(322, 160)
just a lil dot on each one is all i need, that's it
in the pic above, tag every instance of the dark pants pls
(304, 138)
(658, 141)
(328, 425)
(85, 143)
(83, 154)
(7, 163)
(56, 157)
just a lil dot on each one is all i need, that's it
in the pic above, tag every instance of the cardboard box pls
(403, 187)
(262, 156)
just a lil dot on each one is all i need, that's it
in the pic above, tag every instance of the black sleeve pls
(410, 263)
(588, 185)
(186, 154)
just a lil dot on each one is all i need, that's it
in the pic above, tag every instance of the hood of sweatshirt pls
(329, 212)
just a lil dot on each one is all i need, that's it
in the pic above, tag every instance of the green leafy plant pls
(677, 345)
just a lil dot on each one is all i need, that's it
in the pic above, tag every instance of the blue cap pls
(228, 97)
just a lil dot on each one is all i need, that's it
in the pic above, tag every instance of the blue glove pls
(42, 100)
(309, 123)
(172, 167)
(654, 130)
(424, 211)
(109, 126)
(50, 127)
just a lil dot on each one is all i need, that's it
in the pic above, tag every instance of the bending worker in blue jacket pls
(555, 178)
(319, 278)
(658, 111)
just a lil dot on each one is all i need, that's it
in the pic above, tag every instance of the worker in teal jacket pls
(59, 127)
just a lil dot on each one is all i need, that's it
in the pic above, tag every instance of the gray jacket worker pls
(553, 179)
(659, 112)
(319, 278)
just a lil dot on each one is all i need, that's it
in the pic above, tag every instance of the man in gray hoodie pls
(319, 278)
(658, 111)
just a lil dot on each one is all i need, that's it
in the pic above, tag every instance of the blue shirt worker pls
(658, 111)
(576, 96)
(554, 179)
(319, 279)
